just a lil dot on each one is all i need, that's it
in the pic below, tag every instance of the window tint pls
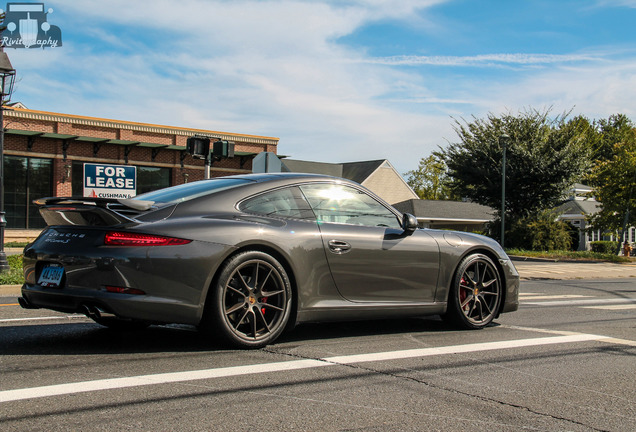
(346, 205)
(288, 202)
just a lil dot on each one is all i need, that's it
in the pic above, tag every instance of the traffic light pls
(223, 149)
(198, 147)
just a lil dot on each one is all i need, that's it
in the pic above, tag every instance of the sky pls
(336, 81)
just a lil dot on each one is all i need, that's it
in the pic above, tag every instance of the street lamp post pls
(7, 77)
(503, 140)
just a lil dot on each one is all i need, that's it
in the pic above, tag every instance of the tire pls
(475, 295)
(251, 301)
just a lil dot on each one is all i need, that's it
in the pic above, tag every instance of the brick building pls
(44, 153)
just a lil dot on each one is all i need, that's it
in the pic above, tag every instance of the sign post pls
(110, 181)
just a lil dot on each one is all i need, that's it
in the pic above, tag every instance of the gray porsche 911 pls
(246, 257)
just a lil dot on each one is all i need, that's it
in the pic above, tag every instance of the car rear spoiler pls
(99, 202)
(89, 211)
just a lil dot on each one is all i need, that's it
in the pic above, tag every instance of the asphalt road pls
(565, 361)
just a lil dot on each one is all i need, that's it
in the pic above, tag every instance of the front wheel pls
(475, 295)
(251, 300)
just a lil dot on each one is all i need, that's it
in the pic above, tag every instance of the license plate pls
(51, 276)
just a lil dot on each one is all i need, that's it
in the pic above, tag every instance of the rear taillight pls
(116, 238)
(124, 290)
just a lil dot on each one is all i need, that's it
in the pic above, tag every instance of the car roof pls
(264, 177)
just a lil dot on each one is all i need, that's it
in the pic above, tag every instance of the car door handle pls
(339, 246)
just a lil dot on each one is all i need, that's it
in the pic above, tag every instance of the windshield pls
(188, 191)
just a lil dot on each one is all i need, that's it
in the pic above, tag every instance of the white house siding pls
(387, 183)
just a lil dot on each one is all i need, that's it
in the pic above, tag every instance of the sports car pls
(246, 257)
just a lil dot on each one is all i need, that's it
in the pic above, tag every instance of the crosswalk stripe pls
(612, 307)
(553, 297)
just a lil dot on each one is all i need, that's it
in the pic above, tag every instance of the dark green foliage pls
(615, 188)
(14, 276)
(429, 180)
(543, 159)
(616, 129)
(542, 232)
(606, 247)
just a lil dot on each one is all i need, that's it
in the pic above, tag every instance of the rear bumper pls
(138, 307)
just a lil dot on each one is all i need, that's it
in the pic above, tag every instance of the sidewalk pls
(533, 270)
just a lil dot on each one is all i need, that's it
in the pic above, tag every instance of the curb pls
(532, 259)
(521, 258)
(10, 290)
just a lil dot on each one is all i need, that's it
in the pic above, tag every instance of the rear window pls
(188, 191)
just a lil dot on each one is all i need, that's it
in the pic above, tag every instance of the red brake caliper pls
(263, 300)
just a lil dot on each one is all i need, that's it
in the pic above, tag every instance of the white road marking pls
(64, 318)
(550, 297)
(612, 307)
(172, 377)
(591, 302)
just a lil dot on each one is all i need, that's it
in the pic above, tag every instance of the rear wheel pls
(475, 295)
(251, 300)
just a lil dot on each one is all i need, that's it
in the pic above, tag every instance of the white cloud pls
(485, 60)
(277, 68)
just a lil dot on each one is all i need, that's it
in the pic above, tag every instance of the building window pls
(26, 179)
(148, 178)
(152, 178)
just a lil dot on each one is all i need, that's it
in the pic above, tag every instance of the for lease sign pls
(110, 181)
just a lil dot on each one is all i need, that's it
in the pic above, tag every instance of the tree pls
(615, 188)
(544, 157)
(618, 128)
(541, 232)
(429, 180)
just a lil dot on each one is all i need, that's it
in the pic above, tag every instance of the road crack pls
(438, 387)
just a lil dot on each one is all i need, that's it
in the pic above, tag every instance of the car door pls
(372, 259)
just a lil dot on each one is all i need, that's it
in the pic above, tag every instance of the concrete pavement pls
(533, 270)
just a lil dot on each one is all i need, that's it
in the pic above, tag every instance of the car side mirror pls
(409, 222)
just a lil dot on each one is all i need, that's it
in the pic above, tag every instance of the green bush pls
(14, 275)
(542, 232)
(607, 247)
(569, 255)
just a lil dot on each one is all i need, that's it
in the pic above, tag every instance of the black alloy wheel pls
(475, 295)
(252, 300)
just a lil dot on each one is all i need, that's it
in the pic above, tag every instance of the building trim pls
(119, 161)
(27, 114)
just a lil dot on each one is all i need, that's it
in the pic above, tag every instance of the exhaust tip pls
(24, 303)
(91, 311)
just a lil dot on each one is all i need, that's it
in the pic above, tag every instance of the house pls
(580, 205)
(379, 176)
(455, 215)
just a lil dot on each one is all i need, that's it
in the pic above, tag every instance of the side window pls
(288, 202)
(346, 205)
